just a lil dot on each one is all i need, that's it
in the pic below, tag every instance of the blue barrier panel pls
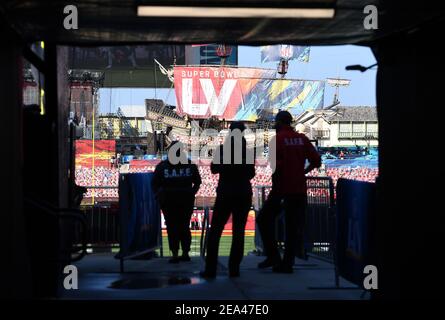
(149, 157)
(366, 162)
(140, 215)
(127, 158)
(356, 201)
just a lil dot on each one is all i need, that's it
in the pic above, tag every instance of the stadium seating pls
(109, 177)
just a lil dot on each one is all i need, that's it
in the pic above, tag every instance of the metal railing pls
(321, 134)
(320, 231)
(103, 220)
(320, 218)
(103, 226)
(358, 135)
(204, 232)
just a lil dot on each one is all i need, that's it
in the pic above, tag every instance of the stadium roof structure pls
(115, 22)
(158, 106)
(154, 103)
(354, 113)
(339, 113)
(133, 111)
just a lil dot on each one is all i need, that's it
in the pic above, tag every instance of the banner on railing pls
(140, 215)
(98, 152)
(241, 93)
(355, 215)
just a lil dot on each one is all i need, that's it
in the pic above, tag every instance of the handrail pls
(358, 134)
(319, 178)
(65, 213)
(260, 190)
(204, 232)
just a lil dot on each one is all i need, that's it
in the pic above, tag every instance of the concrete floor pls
(99, 278)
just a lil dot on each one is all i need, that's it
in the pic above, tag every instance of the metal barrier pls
(260, 197)
(320, 218)
(103, 221)
(204, 232)
(103, 226)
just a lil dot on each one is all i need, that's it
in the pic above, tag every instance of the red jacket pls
(292, 151)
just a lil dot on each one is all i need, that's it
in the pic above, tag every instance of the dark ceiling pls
(106, 22)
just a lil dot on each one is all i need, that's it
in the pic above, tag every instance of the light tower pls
(223, 51)
(286, 54)
(337, 83)
(283, 66)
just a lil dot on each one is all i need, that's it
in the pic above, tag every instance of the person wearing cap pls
(291, 150)
(175, 183)
(235, 164)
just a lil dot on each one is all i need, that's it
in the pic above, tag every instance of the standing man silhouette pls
(292, 149)
(236, 167)
(175, 182)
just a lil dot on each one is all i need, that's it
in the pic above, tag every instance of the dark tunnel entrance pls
(37, 235)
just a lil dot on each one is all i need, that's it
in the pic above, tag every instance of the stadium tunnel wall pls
(34, 166)
(15, 267)
(410, 210)
(409, 226)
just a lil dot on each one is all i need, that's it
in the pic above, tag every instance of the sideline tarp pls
(356, 202)
(140, 215)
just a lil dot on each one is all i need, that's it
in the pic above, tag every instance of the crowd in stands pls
(344, 153)
(101, 177)
(358, 173)
(109, 177)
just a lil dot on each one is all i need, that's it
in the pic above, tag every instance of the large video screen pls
(207, 55)
(128, 66)
(98, 152)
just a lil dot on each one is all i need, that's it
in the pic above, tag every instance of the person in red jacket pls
(289, 153)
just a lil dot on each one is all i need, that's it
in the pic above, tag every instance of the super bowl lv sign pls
(202, 92)
(241, 93)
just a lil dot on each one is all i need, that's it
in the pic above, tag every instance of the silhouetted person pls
(234, 196)
(341, 155)
(77, 196)
(175, 185)
(112, 162)
(161, 142)
(288, 193)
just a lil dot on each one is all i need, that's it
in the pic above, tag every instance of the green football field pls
(224, 245)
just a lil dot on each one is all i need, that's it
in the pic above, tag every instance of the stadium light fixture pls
(360, 67)
(233, 12)
(337, 83)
